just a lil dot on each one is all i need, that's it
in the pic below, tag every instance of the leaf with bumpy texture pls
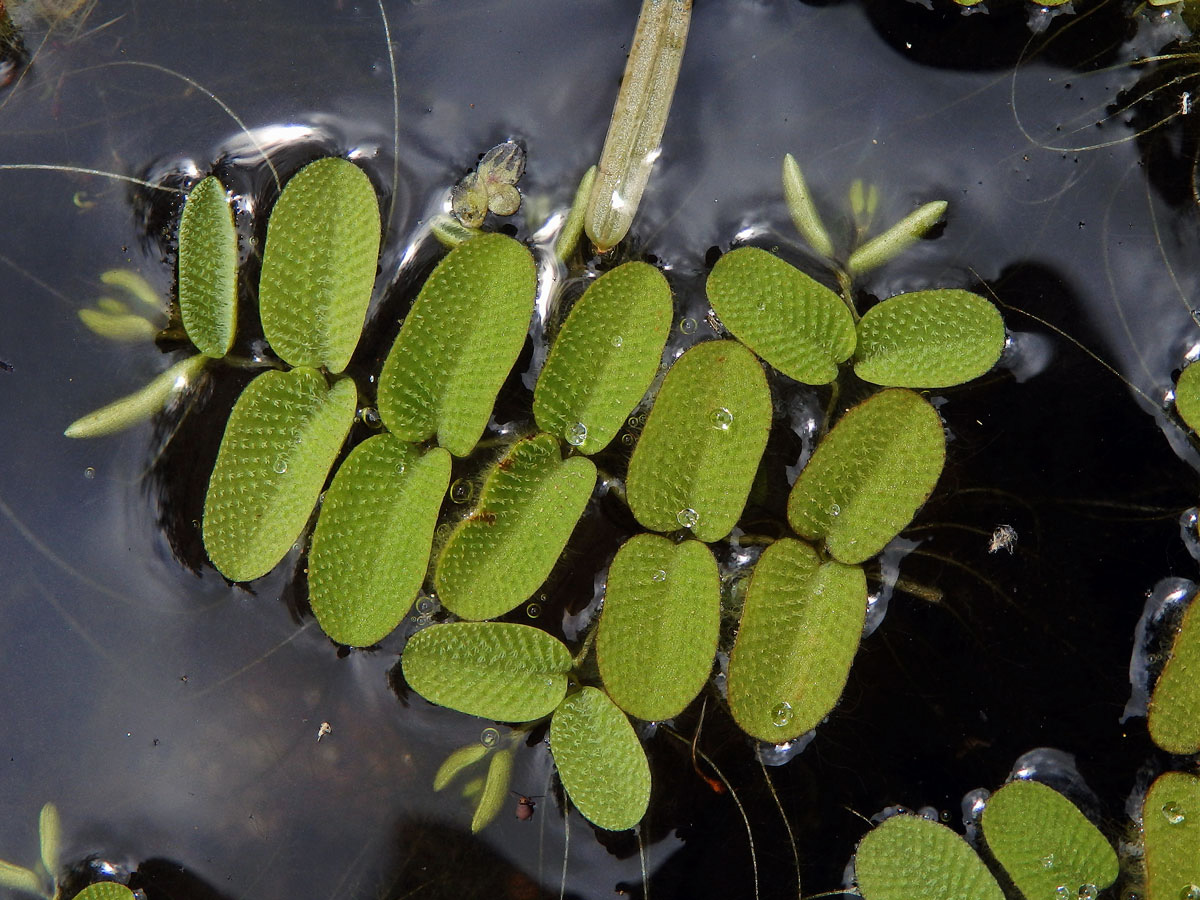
(928, 339)
(1175, 703)
(319, 264)
(208, 269)
(1187, 396)
(696, 459)
(1043, 841)
(496, 670)
(371, 546)
(800, 627)
(600, 760)
(799, 326)
(105, 890)
(1171, 829)
(908, 857)
(869, 475)
(605, 356)
(528, 507)
(282, 437)
(458, 343)
(658, 630)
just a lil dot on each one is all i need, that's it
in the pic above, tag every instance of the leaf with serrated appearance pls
(371, 546)
(1175, 703)
(282, 437)
(208, 269)
(496, 670)
(909, 857)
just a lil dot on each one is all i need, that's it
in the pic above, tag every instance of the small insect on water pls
(525, 806)
(1003, 538)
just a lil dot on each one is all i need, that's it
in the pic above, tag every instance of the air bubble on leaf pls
(659, 575)
(781, 715)
(1048, 861)
(688, 325)
(1062, 892)
(1174, 813)
(577, 434)
(1190, 892)
(617, 341)
(687, 517)
(489, 737)
(721, 418)
(279, 466)
(461, 490)
(1091, 892)
(835, 510)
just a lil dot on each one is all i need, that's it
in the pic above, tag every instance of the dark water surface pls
(174, 718)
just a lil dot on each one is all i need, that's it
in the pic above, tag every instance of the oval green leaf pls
(1044, 842)
(458, 343)
(799, 326)
(897, 239)
(496, 670)
(909, 857)
(282, 437)
(658, 631)
(1175, 704)
(456, 762)
(527, 509)
(869, 475)
(801, 623)
(141, 404)
(49, 838)
(605, 356)
(319, 264)
(1187, 396)
(1171, 826)
(495, 790)
(928, 339)
(18, 878)
(208, 260)
(105, 890)
(696, 459)
(370, 549)
(600, 760)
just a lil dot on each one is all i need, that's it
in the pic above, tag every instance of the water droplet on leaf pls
(659, 575)
(1088, 892)
(687, 517)
(1062, 892)
(577, 434)
(781, 715)
(1048, 861)
(1174, 813)
(721, 418)
(1190, 892)
(617, 341)
(279, 466)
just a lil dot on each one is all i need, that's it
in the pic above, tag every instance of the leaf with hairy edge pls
(799, 326)
(495, 670)
(1175, 703)
(909, 857)
(456, 762)
(495, 790)
(869, 475)
(528, 507)
(282, 437)
(370, 549)
(928, 339)
(702, 442)
(141, 405)
(105, 890)
(658, 631)
(1187, 396)
(208, 259)
(1171, 828)
(605, 356)
(1043, 841)
(800, 627)
(319, 264)
(600, 760)
(458, 343)
(18, 878)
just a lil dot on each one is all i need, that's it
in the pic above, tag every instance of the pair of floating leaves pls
(458, 343)
(1045, 843)
(528, 507)
(800, 628)
(799, 326)
(208, 269)
(319, 264)
(1175, 705)
(1171, 828)
(869, 475)
(605, 356)
(371, 545)
(495, 670)
(280, 442)
(700, 448)
(658, 632)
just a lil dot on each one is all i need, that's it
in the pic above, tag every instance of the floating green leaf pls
(460, 339)
(799, 326)
(800, 627)
(527, 509)
(1175, 704)
(118, 325)
(896, 239)
(319, 264)
(371, 546)
(1044, 842)
(208, 269)
(496, 670)
(908, 857)
(600, 760)
(1187, 396)
(803, 210)
(701, 445)
(605, 356)
(1171, 826)
(460, 759)
(869, 475)
(18, 878)
(572, 229)
(105, 890)
(140, 405)
(929, 339)
(281, 439)
(495, 790)
(658, 631)
(49, 838)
